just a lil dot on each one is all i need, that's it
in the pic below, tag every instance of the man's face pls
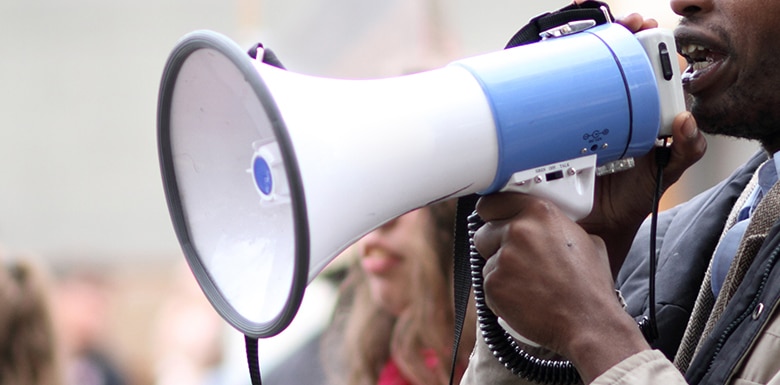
(733, 76)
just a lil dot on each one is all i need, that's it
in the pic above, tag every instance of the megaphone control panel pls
(569, 184)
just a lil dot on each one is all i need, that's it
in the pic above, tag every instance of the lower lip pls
(703, 79)
(379, 265)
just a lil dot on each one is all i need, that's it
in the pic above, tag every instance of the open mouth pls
(703, 63)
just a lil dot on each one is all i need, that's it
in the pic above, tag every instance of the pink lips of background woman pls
(389, 256)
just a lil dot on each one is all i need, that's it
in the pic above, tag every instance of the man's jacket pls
(686, 239)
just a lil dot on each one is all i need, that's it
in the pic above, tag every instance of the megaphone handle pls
(569, 184)
(266, 55)
(589, 10)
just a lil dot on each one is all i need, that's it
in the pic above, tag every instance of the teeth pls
(691, 48)
(695, 69)
(700, 61)
(697, 66)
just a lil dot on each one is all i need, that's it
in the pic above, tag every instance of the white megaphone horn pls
(270, 174)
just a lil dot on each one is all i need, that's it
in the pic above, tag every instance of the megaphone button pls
(262, 174)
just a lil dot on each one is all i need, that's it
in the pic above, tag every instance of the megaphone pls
(270, 174)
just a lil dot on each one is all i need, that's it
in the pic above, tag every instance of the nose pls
(387, 226)
(689, 8)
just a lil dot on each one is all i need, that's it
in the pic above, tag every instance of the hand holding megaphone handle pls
(500, 342)
(589, 10)
(500, 339)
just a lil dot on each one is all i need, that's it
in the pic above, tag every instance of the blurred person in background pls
(28, 348)
(394, 320)
(81, 306)
(187, 336)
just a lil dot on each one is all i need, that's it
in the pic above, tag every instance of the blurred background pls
(80, 187)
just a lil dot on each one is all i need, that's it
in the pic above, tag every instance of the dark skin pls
(568, 303)
(564, 269)
(733, 87)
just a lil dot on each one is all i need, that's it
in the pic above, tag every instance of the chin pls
(387, 297)
(754, 118)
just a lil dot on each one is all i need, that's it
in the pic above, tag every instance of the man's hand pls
(624, 199)
(635, 22)
(551, 282)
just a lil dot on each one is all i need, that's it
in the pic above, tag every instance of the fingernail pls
(689, 129)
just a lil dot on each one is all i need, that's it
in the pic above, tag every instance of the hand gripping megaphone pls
(270, 174)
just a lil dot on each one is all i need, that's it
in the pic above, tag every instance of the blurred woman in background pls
(394, 320)
(28, 354)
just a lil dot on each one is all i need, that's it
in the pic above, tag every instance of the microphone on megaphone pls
(270, 174)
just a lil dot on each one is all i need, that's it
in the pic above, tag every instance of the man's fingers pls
(688, 147)
(487, 239)
(635, 22)
(500, 206)
(496, 210)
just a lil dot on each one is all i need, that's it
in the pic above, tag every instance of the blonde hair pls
(27, 341)
(366, 336)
